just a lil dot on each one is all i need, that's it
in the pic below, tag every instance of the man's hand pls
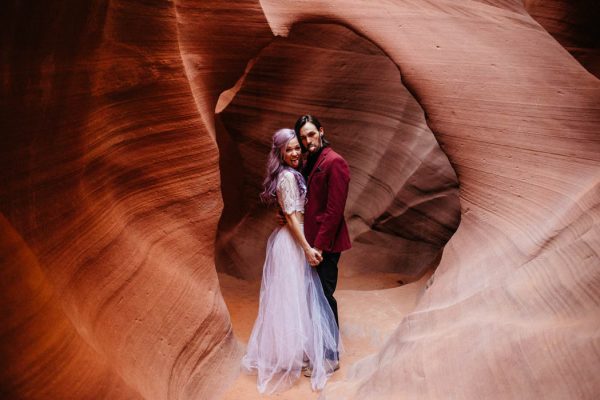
(320, 253)
(313, 257)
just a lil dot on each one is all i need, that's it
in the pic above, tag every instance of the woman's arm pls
(312, 255)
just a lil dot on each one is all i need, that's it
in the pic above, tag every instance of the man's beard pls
(313, 148)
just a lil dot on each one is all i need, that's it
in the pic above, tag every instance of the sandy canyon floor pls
(370, 308)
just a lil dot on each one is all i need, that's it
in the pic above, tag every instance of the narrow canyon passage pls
(131, 239)
(403, 203)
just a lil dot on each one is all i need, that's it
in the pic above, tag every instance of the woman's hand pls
(279, 218)
(313, 256)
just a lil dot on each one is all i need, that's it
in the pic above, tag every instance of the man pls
(327, 177)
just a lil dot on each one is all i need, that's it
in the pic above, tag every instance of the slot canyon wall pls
(403, 201)
(111, 187)
(574, 24)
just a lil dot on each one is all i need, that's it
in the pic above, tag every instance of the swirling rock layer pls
(574, 25)
(111, 178)
(403, 202)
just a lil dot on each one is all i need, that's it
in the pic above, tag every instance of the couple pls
(297, 325)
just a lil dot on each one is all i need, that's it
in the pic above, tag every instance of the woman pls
(295, 326)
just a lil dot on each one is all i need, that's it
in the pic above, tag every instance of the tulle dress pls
(295, 324)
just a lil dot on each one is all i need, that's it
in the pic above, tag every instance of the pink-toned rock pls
(110, 191)
(574, 24)
(403, 202)
(513, 310)
(110, 178)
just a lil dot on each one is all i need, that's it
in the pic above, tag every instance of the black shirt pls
(310, 162)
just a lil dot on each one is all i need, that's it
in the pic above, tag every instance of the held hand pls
(313, 257)
(320, 253)
(320, 256)
(280, 218)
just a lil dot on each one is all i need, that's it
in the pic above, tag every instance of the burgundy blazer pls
(324, 224)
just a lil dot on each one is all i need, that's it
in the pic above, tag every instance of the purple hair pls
(276, 165)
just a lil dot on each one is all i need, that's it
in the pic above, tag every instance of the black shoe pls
(308, 371)
(336, 367)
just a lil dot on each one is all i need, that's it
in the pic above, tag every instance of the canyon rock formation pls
(574, 24)
(129, 128)
(403, 203)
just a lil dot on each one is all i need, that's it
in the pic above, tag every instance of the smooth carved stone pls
(574, 24)
(512, 311)
(110, 193)
(43, 355)
(403, 203)
(110, 177)
(217, 39)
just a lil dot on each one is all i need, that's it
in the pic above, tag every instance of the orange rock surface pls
(120, 192)
(403, 203)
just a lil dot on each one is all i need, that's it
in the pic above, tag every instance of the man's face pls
(311, 137)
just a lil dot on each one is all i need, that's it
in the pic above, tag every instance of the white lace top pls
(288, 193)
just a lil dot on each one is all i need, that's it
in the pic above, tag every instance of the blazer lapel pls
(318, 164)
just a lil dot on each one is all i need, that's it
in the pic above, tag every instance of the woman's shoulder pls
(286, 174)
(290, 178)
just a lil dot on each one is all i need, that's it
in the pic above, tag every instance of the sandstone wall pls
(110, 180)
(110, 196)
(403, 201)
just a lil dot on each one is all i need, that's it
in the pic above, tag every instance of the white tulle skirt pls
(295, 324)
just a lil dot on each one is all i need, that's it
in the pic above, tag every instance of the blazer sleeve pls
(337, 183)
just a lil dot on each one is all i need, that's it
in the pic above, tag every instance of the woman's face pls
(291, 153)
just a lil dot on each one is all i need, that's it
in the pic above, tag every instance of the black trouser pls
(328, 274)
